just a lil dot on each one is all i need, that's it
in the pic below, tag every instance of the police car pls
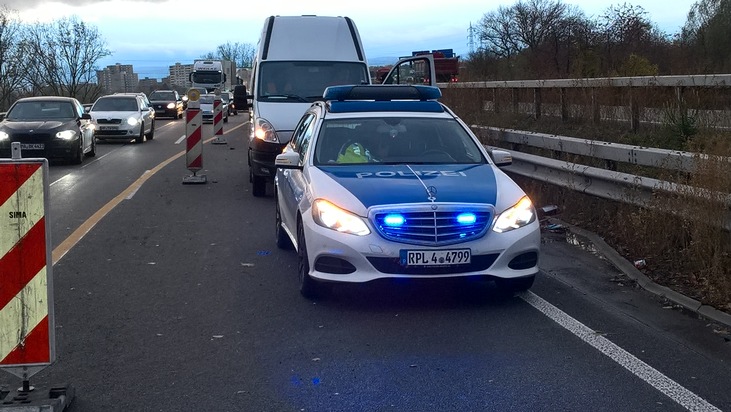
(387, 182)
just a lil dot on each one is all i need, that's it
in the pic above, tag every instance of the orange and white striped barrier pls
(27, 338)
(194, 138)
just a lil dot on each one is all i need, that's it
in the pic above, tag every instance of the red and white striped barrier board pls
(218, 119)
(194, 138)
(193, 141)
(26, 300)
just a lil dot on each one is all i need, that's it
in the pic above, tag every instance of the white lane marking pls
(132, 193)
(180, 140)
(647, 373)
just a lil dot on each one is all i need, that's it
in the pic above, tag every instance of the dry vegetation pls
(681, 240)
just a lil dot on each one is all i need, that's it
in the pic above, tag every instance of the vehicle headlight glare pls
(171, 105)
(515, 217)
(332, 217)
(66, 134)
(4, 136)
(132, 121)
(265, 131)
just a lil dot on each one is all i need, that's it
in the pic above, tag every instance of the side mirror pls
(288, 160)
(501, 157)
(2, 116)
(86, 116)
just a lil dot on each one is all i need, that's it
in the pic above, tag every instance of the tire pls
(283, 240)
(259, 185)
(141, 137)
(309, 288)
(225, 119)
(511, 286)
(92, 152)
(78, 156)
(151, 135)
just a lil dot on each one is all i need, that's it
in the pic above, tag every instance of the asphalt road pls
(174, 297)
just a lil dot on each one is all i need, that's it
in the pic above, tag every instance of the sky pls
(154, 34)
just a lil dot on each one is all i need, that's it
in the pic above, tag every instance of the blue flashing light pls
(467, 218)
(394, 220)
(382, 92)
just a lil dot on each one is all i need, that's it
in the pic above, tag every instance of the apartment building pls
(118, 78)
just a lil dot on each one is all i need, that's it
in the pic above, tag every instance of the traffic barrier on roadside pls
(218, 119)
(193, 140)
(27, 327)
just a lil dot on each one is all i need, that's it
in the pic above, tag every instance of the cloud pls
(24, 5)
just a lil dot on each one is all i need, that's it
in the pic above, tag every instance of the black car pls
(167, 103)
(50, 127)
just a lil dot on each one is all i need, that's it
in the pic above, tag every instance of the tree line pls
(544, 39)
(57, 58)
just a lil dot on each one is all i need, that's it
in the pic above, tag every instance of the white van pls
(297, 58)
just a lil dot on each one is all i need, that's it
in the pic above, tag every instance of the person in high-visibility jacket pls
(354, 153)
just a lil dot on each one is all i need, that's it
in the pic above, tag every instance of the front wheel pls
(309, 288)
(141, 137)
(92, 152)
(259, 185)
(78, 156)
(151, 135)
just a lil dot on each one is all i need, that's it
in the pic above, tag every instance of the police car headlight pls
(171, 105)
(517, 216)
(265, 131)
(132, 121)
(4, 136)
(66, 134)
(332, 217)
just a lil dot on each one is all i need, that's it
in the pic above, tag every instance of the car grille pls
(393, 266)
(109, 121)
(423, 225)
(30, 137)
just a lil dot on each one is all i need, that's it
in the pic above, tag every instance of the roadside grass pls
(680, 237)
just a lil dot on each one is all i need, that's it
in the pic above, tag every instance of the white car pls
(387, 182)
(206, 105)
(123, 117)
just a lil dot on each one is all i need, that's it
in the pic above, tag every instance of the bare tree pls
(66, 53)
(497, 33)
(240, 53)
(12, 62)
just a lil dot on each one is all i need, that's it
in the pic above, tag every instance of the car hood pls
(36, 125)
(113, 115)
(376, 185)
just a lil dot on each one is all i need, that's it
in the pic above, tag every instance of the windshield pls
(306, 81)
(162, 96)
(206, 99)
(45, 110)
(207, 77)
(394, 140)
(115, 104)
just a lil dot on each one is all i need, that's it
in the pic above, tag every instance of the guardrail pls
(608, 184)
(705, 96)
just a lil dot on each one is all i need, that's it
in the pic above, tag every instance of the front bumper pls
(340, 257)
(52, 149)
(119, 132)
(262, 155)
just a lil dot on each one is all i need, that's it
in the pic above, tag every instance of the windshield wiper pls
(289, 96)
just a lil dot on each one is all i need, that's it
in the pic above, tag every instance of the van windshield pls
(305, 81)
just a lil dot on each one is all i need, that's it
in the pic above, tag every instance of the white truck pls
(212, 74)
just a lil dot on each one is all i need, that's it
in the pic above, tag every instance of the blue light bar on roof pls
(382, 92)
